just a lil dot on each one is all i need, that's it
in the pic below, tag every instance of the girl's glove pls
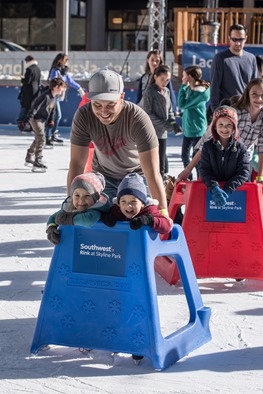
(65, 218)
(53, 234)
(177, 129)
(219, 196)
(145, 220)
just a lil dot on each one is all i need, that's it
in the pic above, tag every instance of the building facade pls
(94, 25)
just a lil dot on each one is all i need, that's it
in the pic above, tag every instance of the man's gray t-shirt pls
(116, 145)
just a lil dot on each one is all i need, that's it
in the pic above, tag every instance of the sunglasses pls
(237, 39)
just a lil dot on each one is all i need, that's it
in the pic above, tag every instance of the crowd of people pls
(221, 122)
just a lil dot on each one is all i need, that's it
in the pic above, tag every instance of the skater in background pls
(157, 104)
(59, 69)
(133, 205)
(83, 207)
(154, 59)
(193, 96)
(232, 69)
(42, 111)
(223, 157)
(30, 85)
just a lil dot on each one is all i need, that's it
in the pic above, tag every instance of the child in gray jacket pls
(157, 103)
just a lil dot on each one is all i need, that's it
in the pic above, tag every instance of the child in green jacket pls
(193, 95)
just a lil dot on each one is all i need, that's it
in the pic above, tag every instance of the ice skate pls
(137, 359)
(39, 165)
(29, 160)
(49, 143)
(55, 138)
(85, 350)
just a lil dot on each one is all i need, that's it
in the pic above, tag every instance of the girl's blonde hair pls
(196, 73)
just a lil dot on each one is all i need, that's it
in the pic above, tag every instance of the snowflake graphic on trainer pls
(89, 306)
(67, 321)
(115, 307)
(138, 312)
(64, 270)
(135, 269)
(138, 339)
(110, 333)
(56, 302)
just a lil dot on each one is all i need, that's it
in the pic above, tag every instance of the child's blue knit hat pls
(134, 185)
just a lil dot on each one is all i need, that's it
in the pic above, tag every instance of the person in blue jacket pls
(59, 69)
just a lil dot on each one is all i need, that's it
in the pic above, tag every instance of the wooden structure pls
(188, 22)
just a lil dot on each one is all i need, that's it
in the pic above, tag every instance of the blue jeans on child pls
(188, 144)
(58, 116)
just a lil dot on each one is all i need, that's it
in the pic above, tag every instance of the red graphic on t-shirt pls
(110, 147)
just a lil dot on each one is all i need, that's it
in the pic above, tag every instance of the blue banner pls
(94, 255)
(234, 211)
(202, 55)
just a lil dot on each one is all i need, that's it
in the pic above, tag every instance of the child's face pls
(162, 80)
(130, 206)
(256, 97)
(224, 128)
(58, 90)
(154, 61)
(82, 200)
(185, 78)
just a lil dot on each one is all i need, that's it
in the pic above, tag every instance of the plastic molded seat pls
(100, 293)
(223, 243)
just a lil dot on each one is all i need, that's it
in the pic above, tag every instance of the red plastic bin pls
(218, 249)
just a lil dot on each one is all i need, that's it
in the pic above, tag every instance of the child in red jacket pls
(133, 205)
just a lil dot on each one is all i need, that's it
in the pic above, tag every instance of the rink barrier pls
(101, 293)
(223, 243)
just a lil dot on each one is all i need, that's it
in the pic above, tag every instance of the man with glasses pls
(232, 69)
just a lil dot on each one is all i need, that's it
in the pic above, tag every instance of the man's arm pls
(78, 159)
(150, 165)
